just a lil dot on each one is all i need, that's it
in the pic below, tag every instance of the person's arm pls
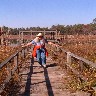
(28, 44)
(52, 44)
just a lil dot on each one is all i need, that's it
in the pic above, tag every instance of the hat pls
(40, 34)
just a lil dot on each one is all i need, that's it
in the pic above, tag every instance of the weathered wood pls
(84, 60)
(81, 65)
(78, 74)
(53, 35)
(7, 60)
(81, 59)
(37, 31)
(11, 72)
(68, 57)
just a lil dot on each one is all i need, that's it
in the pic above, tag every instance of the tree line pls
(76, 29)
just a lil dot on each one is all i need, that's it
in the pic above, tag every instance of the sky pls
(45, 13)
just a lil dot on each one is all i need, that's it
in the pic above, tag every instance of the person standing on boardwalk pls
(39, 50)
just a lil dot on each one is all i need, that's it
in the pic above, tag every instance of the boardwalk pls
(38, 81)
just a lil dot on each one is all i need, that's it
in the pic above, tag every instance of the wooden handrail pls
(90, 63)
(70, 55)
(8, 59)
(82, 62)
(12, 71)
(37, 31)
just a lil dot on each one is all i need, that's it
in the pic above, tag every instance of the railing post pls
(19, 38)
(9, 71)
(15, 60)
(56, 36)
(31, 35)
(68, 57)
(81, 65)
(18, 62)
(23, 53)
(22, 39)
(44, 32)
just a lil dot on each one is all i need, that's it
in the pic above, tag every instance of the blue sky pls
(45, 13)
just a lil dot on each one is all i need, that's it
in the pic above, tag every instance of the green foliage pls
(94, 21)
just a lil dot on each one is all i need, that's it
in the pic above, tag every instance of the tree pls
(94, 21)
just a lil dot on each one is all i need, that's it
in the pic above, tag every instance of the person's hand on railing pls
(57, 45)
(23, 46)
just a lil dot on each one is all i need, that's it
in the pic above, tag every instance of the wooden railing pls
(81, 63)
(10, 66)
(70, 57)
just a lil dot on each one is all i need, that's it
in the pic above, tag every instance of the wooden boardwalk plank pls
(39, 81)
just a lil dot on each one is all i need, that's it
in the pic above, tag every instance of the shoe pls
(44, 66)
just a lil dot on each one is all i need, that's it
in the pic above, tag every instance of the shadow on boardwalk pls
(28, 83)
(47, 80)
